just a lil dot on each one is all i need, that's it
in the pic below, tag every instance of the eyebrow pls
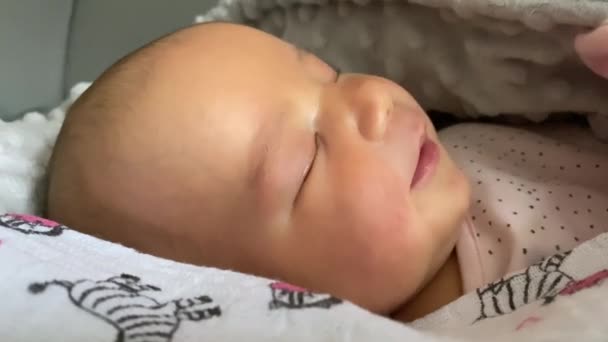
(301, 53)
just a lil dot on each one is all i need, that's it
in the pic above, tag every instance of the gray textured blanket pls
(467, 57)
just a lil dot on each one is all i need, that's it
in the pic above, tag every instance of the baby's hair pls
(108, 96)
(103, 172)
(113, 95)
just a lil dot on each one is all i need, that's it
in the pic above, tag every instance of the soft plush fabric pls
(25, 148)
(467, 57)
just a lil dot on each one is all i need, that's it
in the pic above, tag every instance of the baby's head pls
(223, 146)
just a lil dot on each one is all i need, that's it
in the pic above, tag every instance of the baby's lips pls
(406, 133)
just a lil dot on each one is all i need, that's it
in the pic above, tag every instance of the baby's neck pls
(443, 289)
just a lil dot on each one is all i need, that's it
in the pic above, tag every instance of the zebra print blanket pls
(60, 285)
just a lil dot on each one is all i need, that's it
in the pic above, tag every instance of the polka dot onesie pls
(534, 193)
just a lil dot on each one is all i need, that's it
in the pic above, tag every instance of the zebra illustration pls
(543, 280)
(292, 297)
(136, 317)
(28, 224)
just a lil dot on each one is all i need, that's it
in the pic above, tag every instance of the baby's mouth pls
(428, 158)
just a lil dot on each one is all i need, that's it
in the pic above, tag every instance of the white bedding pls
(25, 148)
(60, 285)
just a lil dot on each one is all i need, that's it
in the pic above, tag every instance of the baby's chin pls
(442, 206)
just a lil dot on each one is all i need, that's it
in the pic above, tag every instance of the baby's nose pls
(371, 104)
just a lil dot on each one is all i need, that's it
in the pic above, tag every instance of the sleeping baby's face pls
(238, 150)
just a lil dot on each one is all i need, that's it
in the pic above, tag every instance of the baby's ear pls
(592, 48)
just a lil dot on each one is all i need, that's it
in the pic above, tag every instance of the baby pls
(220, 145)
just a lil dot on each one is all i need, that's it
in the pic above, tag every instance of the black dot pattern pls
(532, 196)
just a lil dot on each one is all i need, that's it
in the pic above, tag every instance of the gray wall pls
(46, 46)
(33, 37)
(103, 31)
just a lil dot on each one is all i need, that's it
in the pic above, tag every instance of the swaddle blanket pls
(466, 57)
(60, 285)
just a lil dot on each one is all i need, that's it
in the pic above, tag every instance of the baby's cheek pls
(379, 221)
(380, 251)
(355, 238)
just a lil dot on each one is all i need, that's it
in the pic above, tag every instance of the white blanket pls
(60, 285)
(25, 148)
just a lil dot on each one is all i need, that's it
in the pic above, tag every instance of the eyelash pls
(337, 70)
(310, 166)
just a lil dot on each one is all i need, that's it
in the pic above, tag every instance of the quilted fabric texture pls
(468, 57)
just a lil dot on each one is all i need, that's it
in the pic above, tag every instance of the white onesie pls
(534, 194)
